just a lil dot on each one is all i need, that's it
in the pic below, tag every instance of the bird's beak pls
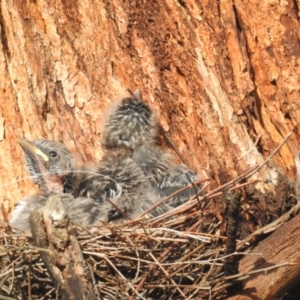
(28, 146)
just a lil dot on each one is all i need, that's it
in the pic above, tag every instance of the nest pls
(179, 255)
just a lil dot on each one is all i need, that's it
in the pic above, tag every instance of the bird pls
(164, 175)
(119, 178)
(131, 124)
(84, 191)
(49, 164)
(81, 210)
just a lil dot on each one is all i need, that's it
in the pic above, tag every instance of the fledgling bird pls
(121, 180)
(81, 210)
(116, 178)
(131, 124)
(165, 176)
(51, 166)
(49, 163)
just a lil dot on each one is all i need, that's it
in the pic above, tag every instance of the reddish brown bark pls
(282, 246)
(218, 74)
(215, 76)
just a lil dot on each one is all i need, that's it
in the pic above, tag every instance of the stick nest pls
(179, 255)
(176, 256)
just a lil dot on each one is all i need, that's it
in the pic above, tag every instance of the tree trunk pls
(282, 246)
(220, 75)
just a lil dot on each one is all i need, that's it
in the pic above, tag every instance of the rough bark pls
(282, 246)
(218, 74)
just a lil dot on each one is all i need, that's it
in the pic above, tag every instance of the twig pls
(168, 275)
(242, 276)
(270, 156)
(2, 297)
(171, 195)
(47, 294)
(57, 292)
(118, 209)
(168, 138)
(186, 286)
(189, 205)
(120, 274)
(29, 279)
(94, 285)
(251, 148)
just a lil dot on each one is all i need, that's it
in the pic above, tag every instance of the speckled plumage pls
(81, 210)
(48, 162)
(131, 124)
(165, 176)
(122, 181)
(117, 178)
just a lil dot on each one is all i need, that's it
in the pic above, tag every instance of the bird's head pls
(48, 162)
(130, 124)
(135, 106)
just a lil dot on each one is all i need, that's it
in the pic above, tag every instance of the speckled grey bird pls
(117, 178)
(165, 176)
(122, 181)
(49, 163)
(51, 166)
(131, 124)
(81, 210)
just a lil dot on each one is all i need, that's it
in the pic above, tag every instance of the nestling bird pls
(122, 181)
(51, 166)
(164, 175)
(48, 162)
(131, 124)
(81, 210)
(117, 178)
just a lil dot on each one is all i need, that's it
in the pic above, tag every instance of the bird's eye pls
(52, 153)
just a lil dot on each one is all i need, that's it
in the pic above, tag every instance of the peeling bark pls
(217, 74)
